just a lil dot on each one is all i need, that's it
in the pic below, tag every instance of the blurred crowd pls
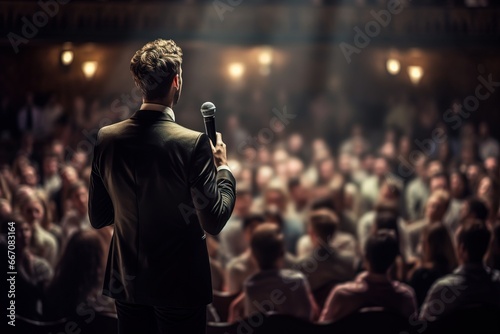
(326, 222)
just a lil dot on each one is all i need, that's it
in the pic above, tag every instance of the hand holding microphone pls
(219, 150)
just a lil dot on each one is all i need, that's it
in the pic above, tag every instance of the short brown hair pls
(154, 67)
(267, 245)
(324, 224)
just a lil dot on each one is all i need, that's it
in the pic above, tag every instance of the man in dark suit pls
(157, 183)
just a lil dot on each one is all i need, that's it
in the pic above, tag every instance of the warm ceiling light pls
(236, 70)
(89, 68)
(265, 56)
(67, 57)
(416, 73)
(393, 66)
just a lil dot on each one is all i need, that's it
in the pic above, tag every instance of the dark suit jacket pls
(156, 182)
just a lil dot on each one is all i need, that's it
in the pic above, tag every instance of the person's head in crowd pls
(420, 164)
(244, 199)
(295, 144)
(267, 246)
(280, 159)
(386, 220)
(263, 176)
(438, 181)
(433, 167)
(492, 204)
(276, 195)
(78, 273)
(50, 165)
(322, 226)
(161, 60)
(468, 152)
(390, 189)
(57, 149)
(491, 166)
(35, 210)
(250, 222)
(21, 161)
(459, 187)
(69, 176)
(472, 240)
(29, 176)
(438, 249)
(474, 171)
(326, 170)
(474, 208)
(79, 160)
(79, 196)
(493, 258)
(381, 250)
(263, 155)
(294, 168)
(346, 163)
(444, 153)
(323, 202)
(320, 150)
(487, 187)
(299, 192)
(381, 167)
(246, 175)
(404, 145)
(86, 172)
(249, 154)
(22, 193)
(437, 206)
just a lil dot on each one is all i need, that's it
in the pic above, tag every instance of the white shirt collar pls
(158, 107)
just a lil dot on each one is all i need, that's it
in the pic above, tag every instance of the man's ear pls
(176, 82)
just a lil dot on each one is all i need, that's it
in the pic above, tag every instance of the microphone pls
(208, 113)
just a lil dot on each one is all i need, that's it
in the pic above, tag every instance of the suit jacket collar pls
(153, 111)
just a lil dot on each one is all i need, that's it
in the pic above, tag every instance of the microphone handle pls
(210, 129)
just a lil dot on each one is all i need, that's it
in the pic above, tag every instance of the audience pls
(324, 200)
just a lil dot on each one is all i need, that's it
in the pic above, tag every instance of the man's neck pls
(166, 103)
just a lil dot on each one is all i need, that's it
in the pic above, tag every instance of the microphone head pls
(208, 109)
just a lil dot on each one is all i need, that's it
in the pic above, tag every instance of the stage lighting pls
(89, 68)
(415, 73)
(265, 56)
(393, 66)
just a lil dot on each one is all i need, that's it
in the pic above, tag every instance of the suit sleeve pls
(213, 192)
(101, 211)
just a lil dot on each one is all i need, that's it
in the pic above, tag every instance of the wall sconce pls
(236, 70)
(67, 57)
(416, 73)
(393, 66)
(89, 68)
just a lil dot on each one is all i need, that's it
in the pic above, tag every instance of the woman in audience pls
(438, 259)
(78, 278)
(43, 244)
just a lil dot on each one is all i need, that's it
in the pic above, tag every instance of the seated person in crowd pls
(43, 243)
(472, 283)
(325, 265)
(438, 259)
(243, 266)
(342, 242)
(435, 211)
(273, 289)
(372, 287)
(77, 218)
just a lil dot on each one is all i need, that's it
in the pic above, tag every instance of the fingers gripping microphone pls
(208, 113)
